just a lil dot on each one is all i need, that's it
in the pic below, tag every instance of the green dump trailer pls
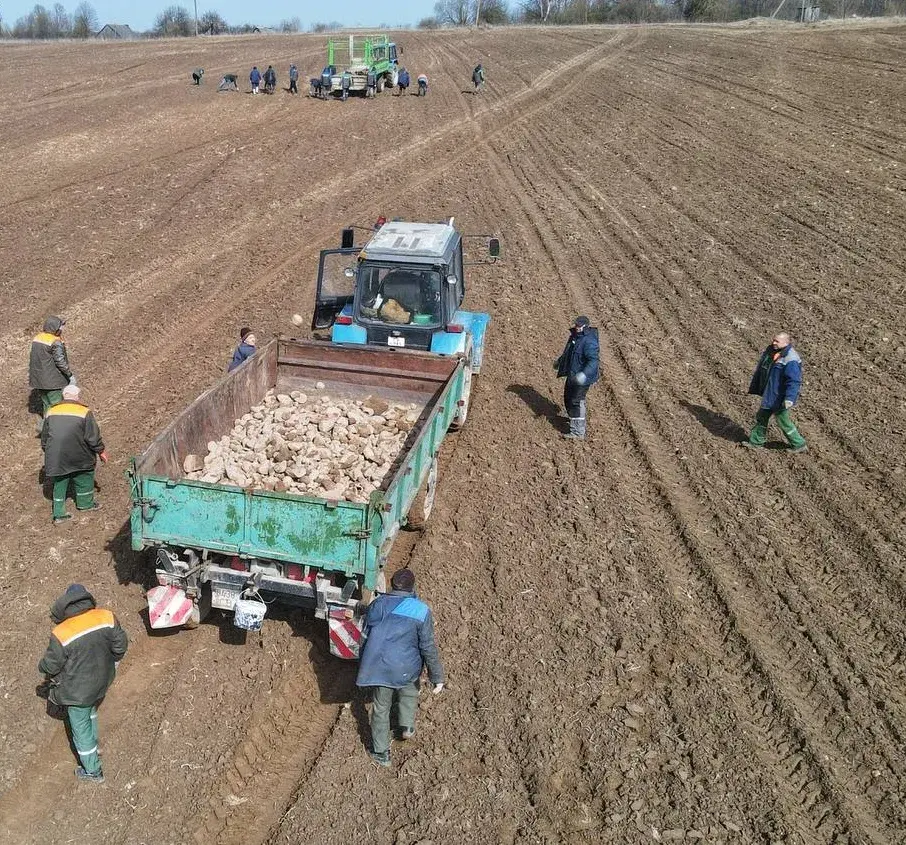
(222, 546)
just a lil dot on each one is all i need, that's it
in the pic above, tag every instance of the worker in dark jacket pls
(478, 78)
(245, 349)
(400, 643)
(777, 380)
(402, 81)
(48, 363)
(579, 366)
(255, 79)
(85, 648)
(293, 79)
(72, 444)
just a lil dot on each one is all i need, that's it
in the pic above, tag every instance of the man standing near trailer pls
(72, 444)
(86, 646)
(400, 644)
(579, 366)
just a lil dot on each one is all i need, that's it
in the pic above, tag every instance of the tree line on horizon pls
(44, 22)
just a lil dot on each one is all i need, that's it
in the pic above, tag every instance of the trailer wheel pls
(459, 419)
(417, 518)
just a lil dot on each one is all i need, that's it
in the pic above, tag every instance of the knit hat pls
(54, 324)
(403, 580)
(75, 588)
(71, 391)
(581, 321)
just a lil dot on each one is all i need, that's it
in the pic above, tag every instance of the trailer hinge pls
(359, 534)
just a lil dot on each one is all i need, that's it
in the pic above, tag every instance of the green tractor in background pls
(353, 57)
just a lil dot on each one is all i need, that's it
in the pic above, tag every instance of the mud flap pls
(168, 607)
(344, 633)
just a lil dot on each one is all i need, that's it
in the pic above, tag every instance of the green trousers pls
(760, 429)
(382, 701)
(83, 488)
(83, 730)
(49, 398)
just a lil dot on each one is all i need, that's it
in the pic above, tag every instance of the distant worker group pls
(333, 81)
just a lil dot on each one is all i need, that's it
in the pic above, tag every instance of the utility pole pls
(196, 18)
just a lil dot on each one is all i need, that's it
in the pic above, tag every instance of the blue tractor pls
(404, 290)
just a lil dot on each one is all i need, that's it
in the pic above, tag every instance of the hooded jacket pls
(255, 76)
(70, 438)
(581, 354)
(400, 642)
(48, 364)
(777, 377)
(84, 647)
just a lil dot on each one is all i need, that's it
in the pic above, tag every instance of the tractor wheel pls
(423, 504)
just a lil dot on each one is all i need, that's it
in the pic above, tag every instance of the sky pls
(141, 15)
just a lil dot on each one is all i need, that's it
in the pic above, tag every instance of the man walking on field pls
(777, 380)
(48, 364)
(86, 646)
(399, 645)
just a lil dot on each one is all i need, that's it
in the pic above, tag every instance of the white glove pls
(438, 689)
(116, 665)
(580, 378)
(787, 404)
(72, 379)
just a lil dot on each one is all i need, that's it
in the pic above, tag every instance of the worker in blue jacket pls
(777, 380)
(400, 643)
(246, 348)
(255, 79)
(579, 366)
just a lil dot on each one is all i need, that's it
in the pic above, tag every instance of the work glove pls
(72, 380)
(580, 378)
(438, 688)
(787, 404)
(116, 665)
(556, 365)
(103, 456)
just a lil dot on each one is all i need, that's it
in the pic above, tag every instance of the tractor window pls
(400, 297)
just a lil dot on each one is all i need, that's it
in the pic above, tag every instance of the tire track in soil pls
(669, 518)
(772, 655)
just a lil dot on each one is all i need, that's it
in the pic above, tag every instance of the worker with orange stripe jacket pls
(85, 648)
(48, 364)
(72, 444)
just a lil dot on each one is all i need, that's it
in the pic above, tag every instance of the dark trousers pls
(293, 87)
(574, 400)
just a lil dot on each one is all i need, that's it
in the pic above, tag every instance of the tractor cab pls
(402, 288)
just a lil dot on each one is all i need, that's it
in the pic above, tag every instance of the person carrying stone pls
(579, 366)
(399, 645)
(72, 443)
(197, 75)
(293, 79)
(246, 348)
(48, 364)
(777, 380)
(86, 646)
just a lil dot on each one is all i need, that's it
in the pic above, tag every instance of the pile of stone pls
(330, 447)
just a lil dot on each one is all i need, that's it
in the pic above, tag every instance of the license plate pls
(224, 599)
(396, 341)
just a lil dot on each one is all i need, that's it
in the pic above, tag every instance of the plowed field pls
(650, 636)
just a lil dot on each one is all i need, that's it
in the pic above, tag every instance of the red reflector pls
(344, 320)
(237, 563)
(380, 222)
(294, 571)
(456, 328)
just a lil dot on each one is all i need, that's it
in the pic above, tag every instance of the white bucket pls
(249, 612)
